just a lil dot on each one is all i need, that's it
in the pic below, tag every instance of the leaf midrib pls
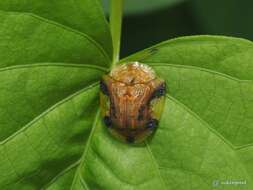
(86, 149)
(155, 165)
(71, 166)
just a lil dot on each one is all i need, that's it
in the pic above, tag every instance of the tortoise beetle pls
(132, 100)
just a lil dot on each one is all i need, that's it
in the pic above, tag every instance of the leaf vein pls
(47, 111)
(201, 121)
(200, 69)
(35, 65)
(86, 149)
(156, 166)
(82, 34)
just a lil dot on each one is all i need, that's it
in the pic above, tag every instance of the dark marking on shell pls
(113, 110)
(104, 88)
(159, 91)
(107, 121)
(140, 114)
(152, 124)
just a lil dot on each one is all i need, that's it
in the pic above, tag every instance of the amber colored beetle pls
(132, 99)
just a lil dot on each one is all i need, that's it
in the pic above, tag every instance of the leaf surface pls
(50, 145)
(213, 77)
(81, 16)
(28, 39)
(50, 127)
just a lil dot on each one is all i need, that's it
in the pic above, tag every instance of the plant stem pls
(115, 25)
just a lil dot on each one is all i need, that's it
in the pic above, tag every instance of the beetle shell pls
(132, 99)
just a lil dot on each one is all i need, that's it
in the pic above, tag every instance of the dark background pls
(150, 25)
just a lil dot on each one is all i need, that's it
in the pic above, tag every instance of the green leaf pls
(50, 127)
(215, 80)
(27, 91)
(50, 145)
(205, 134)
(50, 63)
(183, 154)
